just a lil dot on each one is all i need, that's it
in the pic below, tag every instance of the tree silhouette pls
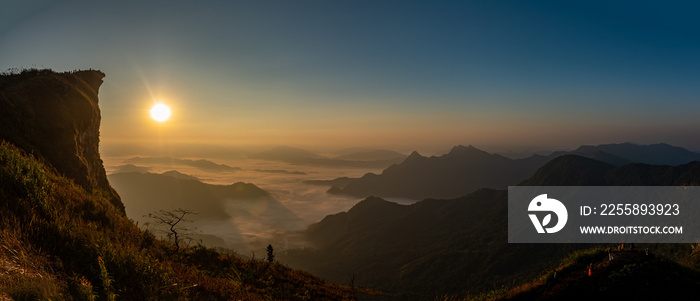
(173, 219)
(270, 254)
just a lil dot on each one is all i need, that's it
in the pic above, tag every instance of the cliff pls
(56, 117)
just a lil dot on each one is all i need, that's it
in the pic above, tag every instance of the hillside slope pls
(631, 275)
(63, 236)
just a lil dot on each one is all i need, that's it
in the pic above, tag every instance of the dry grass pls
(575, 260)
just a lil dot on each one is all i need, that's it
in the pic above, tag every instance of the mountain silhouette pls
(466, 169)
(336, 183)
(572, 170)
(656, 154)
(595, 154)
(280, 171)
(178, 175)
(131, 168)
(461, 171)
(204, 165)
(145, 193)
(286, 154)
(370, 159)
(372, 155)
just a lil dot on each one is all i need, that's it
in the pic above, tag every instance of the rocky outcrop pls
(56, 117)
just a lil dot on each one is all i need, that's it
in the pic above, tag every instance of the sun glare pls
(160, 112)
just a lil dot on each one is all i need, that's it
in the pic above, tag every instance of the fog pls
(254, 224)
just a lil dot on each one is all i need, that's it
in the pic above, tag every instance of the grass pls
(574, 261)
(633, 275)
(33, 288)
(77, 245)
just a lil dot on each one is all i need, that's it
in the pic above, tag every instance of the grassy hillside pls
(631, 275)
(58, 241)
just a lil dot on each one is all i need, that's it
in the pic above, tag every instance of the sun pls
(160, 112)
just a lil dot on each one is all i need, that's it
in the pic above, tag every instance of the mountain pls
(145, 193)
(372, 155)
(466, 169)
(280, 171)
(461, 171)
(204, 165)
(131, 168)
(178, 175)
(593, 153)
(624, 153)
(571, 170)
(337, 182)
(223, 205)
(63, 232)
(369, 159)
(459, 246)
(656, 154)
(286, 154)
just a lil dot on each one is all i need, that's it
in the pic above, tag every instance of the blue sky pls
(402, 74)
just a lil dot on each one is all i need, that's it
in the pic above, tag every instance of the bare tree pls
(173, 220)
(352, 280)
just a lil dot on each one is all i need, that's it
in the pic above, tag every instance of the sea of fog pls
(247, 234)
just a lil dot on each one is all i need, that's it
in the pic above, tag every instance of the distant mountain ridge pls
(625, 153)
(572, 170)
(461, 171)
(371, 155)
(201, 164)
(465, 169)
(131, 168)
(292, 155)
(145, 193)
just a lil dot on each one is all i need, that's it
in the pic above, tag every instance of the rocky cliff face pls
(56, 117)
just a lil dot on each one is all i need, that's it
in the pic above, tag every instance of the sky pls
(404, 75)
